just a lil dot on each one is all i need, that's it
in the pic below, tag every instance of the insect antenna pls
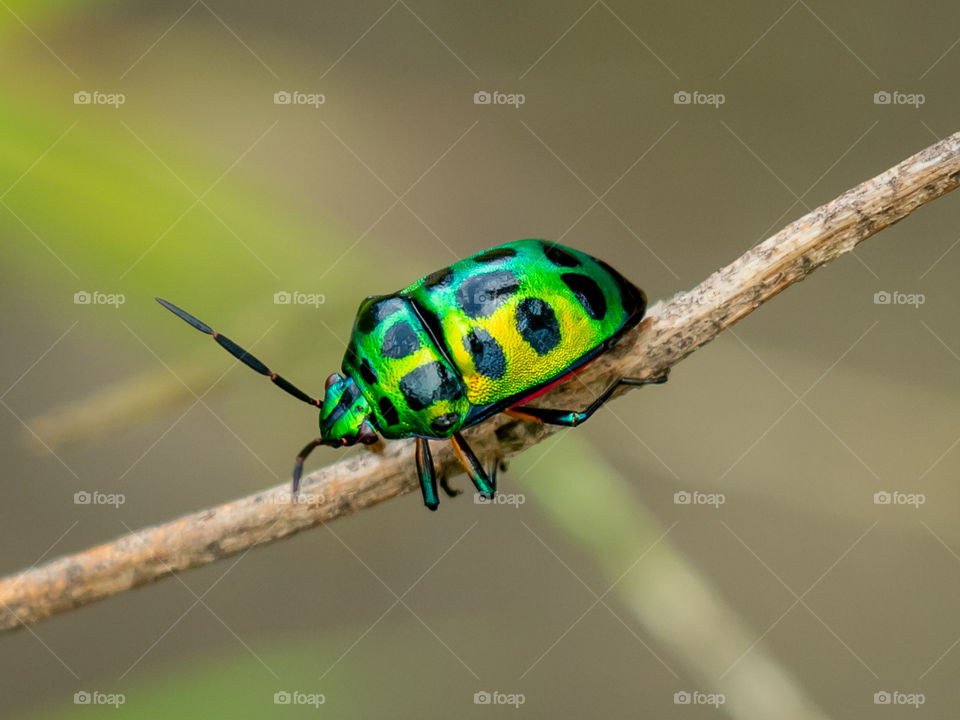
(242, 355)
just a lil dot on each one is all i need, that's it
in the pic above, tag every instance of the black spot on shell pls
(560, 257)
(634, 300)
(429, 383)
(374, 313)
(367, 372)
(587, 293)
(350, 356)
(488, 357)
(537, 324)
(444, 422)
(438, 278)
(400, 340)
(480, 295)
(495, 254)
(388, 411)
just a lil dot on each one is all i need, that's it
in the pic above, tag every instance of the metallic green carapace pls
(462, 343)
(482, 336)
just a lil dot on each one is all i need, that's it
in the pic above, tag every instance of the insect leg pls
(425, 472)
(496, 463)
(298, 466)
(572, 418)
(448, 488)
(473, 467)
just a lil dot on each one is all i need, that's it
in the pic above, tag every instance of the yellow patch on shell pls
(525, 367)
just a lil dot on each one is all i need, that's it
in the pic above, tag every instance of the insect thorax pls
(411, 385)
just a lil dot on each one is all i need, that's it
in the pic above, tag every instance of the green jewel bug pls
(482, 336)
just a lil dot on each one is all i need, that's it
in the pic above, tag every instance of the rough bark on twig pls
(675, 328)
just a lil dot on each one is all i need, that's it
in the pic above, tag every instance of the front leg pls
(426, 474)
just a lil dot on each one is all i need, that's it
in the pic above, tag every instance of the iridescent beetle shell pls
(479, 337)
(475, 338)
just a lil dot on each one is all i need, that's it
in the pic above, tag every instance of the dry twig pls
(674, 329)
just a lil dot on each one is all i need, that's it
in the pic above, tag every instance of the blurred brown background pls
(798, 596)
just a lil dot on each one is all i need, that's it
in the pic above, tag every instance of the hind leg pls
(572, 418)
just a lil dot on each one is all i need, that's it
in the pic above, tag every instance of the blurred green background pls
(799, 596)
